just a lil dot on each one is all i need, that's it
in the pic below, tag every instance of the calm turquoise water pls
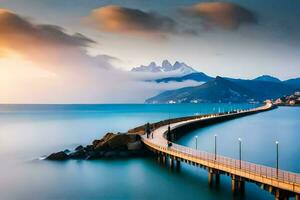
(28, 132)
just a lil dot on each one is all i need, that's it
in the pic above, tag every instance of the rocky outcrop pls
(110, 146)
(58, 156)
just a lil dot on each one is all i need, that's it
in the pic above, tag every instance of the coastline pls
(287, 105)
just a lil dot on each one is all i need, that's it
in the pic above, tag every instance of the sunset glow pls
(218, 38)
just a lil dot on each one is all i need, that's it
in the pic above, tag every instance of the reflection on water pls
(29, 132)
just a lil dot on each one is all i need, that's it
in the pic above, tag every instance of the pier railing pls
(234, 164)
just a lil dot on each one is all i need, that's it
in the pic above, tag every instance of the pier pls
(283, 184)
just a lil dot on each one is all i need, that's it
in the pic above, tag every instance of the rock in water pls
(58, 156)
(67, 151)
(110, 146)
(79, 154)
(79, 148)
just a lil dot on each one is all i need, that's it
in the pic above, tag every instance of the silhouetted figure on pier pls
(147, 129)
(169, 136)
(152, 132)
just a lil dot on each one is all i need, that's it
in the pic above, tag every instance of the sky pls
(80, 51)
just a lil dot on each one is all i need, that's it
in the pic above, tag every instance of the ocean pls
(29, 132)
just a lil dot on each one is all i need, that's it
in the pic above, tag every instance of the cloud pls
(130, 21)
(224, 15)
(21, 31)
(50, 64)
(44, 64)
(46, 44)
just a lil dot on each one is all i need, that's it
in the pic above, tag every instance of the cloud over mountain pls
(45, 64)
(222, 14)
(130, 21)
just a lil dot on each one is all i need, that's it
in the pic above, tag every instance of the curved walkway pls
(264, 175)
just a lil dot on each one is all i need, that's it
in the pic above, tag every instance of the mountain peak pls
(180, 68)
(267, 78)
(183, 68)
(167, 66)
(220, 79)
(165, 63)
(177, 64)
(152, 64)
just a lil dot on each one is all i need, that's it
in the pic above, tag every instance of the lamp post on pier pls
(240, 152)
(277, 157)
(215, 147)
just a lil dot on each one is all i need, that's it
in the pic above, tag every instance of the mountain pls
(217, 90)
(152, 67)
(202, 77)
(224, 90)
(295, 82)
(267, 78)
(199, 77)
(265, 89)
(166, 66)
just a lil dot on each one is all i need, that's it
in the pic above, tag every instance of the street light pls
(196, 138)
(240, 151)
(277, 157)
(215, 147)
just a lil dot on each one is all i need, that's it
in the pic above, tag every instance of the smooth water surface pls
(259, 133)
(30, 131)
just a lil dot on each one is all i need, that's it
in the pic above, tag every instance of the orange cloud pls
(16, 30)
(46, 44)
(122, 20)
(44, 64)
(19, 34)
(224, 15)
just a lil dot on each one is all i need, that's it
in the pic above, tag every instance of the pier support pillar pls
(237, 186)
(281, 195)
(217, 175)
(241, 186)
(210, 178)
(163, 159)
(213, 175)
(177, 164)
(277, 194)
(159, 158)
(171, 162)
(233, 185)
(270, 189)
(297, 197)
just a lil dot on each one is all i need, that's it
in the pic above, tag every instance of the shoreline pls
(287, 105)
